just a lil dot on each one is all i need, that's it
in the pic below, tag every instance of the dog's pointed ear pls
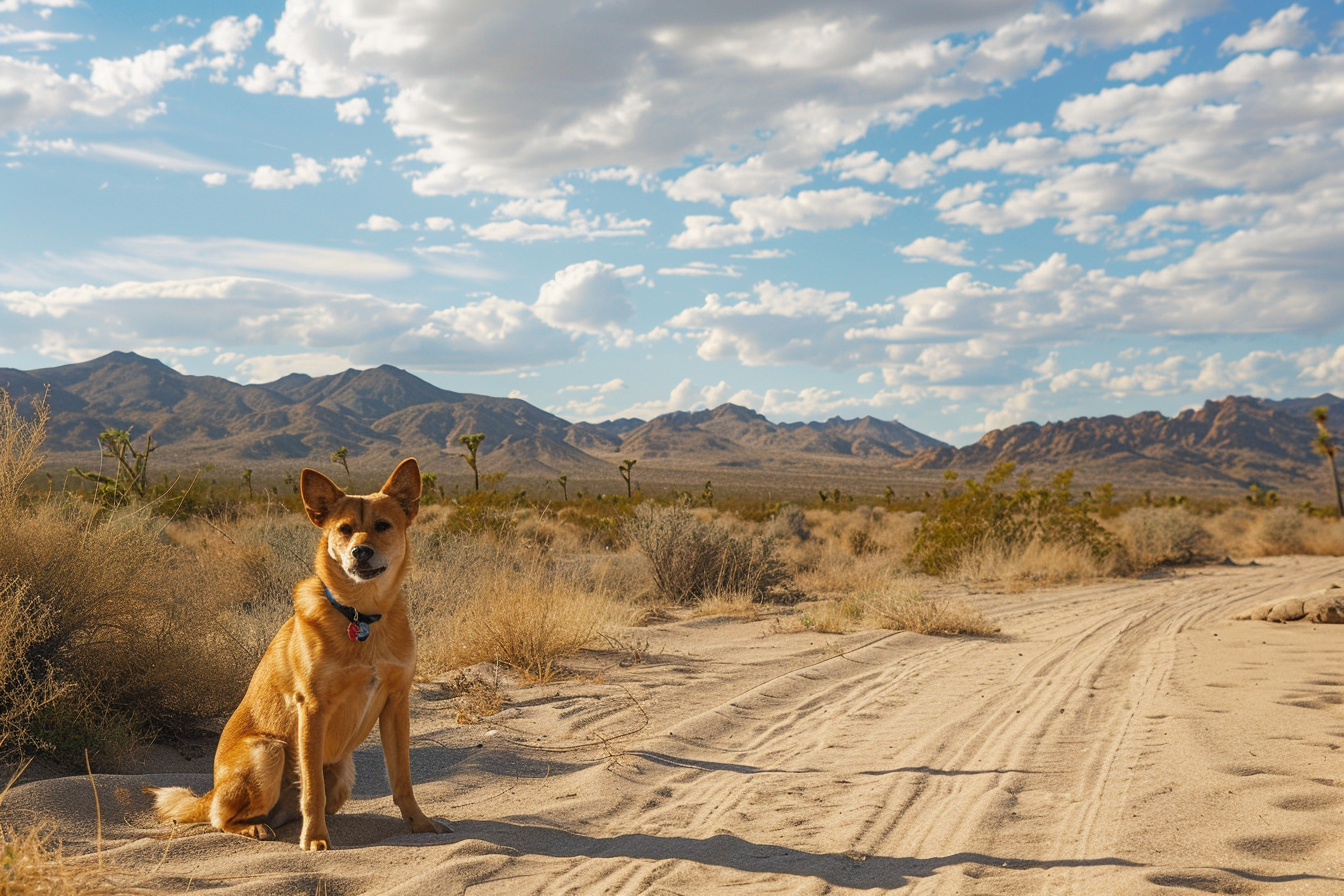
(403, 486)
(319, 495)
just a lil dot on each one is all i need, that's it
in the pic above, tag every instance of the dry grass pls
(1151, 536)
(736, 604)
(31, 864)
(476, 696)
(908, 608)
(690, 558)
(1256, 532)
(1033, 565)
(901, 604)
(479, 601)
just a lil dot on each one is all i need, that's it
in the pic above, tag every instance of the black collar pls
(359, 622)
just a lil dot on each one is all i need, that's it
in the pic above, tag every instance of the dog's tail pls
(180, 804)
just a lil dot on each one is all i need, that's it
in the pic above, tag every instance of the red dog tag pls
(353, 631)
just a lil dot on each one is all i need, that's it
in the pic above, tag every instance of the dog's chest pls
(365, 690)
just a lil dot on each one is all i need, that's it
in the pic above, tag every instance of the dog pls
(342, 662)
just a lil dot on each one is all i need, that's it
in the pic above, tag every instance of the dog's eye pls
(382, 525)
(346, 530)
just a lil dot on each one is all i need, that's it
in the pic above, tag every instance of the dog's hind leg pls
(248, 787)
(339, 778)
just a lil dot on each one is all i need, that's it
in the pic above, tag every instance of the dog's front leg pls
(394, 728)
(312, 785)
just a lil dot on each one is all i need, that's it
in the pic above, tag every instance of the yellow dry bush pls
(1032, 565)
(477, 600)
(737, 604)
(905, 607)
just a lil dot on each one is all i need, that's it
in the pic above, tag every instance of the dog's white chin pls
(365, 575)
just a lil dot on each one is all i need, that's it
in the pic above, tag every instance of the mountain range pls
(385, 413)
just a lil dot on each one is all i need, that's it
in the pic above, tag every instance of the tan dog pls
(342, 662)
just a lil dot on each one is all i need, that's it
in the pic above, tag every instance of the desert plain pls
(1121, 737)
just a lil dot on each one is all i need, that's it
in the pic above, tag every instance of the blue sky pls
(961, 215)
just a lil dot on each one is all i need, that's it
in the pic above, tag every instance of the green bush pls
(972, 515)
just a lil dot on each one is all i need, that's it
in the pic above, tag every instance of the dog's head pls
(365, 534)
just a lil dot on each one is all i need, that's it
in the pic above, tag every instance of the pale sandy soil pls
(1119, 738)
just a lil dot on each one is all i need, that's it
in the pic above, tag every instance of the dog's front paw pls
(315, 839)
(428, 826)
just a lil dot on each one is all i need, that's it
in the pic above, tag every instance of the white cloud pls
(306, 171)
(349, 168)
(1285, 29)
(550, 207)
(177, 258)
(701, 269)
(766, 217)
(438, 223)
(353, 111)
(590, 298)
(269, 368)
(37, 93)
(933, 248)
(215, 179)
(753, 177)
(756, 93)
(578, 226)
(1141, 66)
(380, 222)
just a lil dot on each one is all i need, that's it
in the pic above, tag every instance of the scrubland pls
(130, 621)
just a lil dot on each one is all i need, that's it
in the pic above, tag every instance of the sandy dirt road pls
(1118, 738)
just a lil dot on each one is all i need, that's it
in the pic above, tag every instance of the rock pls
(1287, 610)
(1324, 609)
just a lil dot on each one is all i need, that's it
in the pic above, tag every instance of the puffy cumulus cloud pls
(933, 248)
(756, 92)
(349, 168)
(1141, 66)
(765, 217)
(488, 335)
(779, 324)
(35, 93)
(1285, 29)
(222, 311)
(353, 111)
(269, 368)
(305, 172)
(237, 315)
(380, 222)
(215, 179)
(589, 298)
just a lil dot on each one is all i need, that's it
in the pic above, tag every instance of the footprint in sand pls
(1306, 802)
(1278, 847)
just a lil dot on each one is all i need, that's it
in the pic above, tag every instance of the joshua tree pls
(707, 494)
(247, 477)
(132, 476)
(472, 443)
(625, 468)
(564, 484)
(341, 456)
(888, 495)
(1325, 444)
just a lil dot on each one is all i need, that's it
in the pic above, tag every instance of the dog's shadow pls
(359, 830)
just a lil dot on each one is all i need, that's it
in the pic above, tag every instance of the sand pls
(1126, 737)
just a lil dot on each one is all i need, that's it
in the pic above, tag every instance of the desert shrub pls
(908, 609)
(1031, 565)
(1151, 536)
(690, 559)
(790, 522)
(474, 600)
(1281, 530)
(112, 636)
(975, 514)
(21, 441)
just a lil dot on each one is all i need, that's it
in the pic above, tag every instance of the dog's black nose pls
(362, 553)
